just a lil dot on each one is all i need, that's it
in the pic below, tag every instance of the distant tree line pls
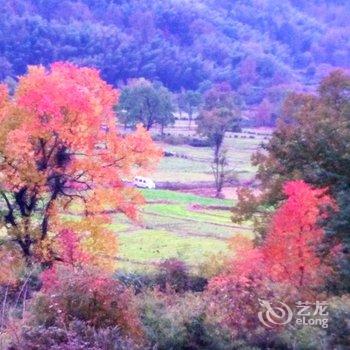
(184, 45)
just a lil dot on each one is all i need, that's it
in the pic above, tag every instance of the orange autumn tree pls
(61, 152)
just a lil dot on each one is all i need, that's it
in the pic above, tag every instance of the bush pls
(182, 140)
(233, 301)
(173, 275)
(335, 336)
(135, 281)
(213, 265)
(307, 337)
(78, 335)
(87, 295)
(174, 321)
(171, 139)
(200, 143)
(339, 325)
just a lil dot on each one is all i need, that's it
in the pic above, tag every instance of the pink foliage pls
(70, 249)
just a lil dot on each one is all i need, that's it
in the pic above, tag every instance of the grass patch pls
(184, 198)
(180, 211)
(197, 166)
(157, 245)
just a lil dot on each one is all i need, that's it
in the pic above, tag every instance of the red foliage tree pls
(293, 243)
(291, 264)
(70, 250)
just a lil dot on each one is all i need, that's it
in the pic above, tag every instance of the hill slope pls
(253, 44)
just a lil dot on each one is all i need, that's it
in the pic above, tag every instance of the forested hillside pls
(255, 45)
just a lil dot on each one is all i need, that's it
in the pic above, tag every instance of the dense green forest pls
(257, 46)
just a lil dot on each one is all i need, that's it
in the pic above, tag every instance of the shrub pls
(183, 140)
(173, 321)
(86, 295)
(78, 335)
(233, 301)
(138, 282)
(171, 139)
(174, 276)
(339, 325)
(200, 143)
(213, 265)
(307, 337)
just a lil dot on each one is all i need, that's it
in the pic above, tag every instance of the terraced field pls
(195, 164)
(191, 227)
(175, 224)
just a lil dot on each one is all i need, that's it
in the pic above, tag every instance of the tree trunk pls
(190, 121)
(219, 167)
(26, 249)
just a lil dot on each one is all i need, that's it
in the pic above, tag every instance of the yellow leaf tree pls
(61, 152)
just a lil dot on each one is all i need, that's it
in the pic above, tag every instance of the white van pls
(144, 182)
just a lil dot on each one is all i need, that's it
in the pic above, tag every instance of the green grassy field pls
(182, 225)
(196, 167)
(183, 198)
(169, 227)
